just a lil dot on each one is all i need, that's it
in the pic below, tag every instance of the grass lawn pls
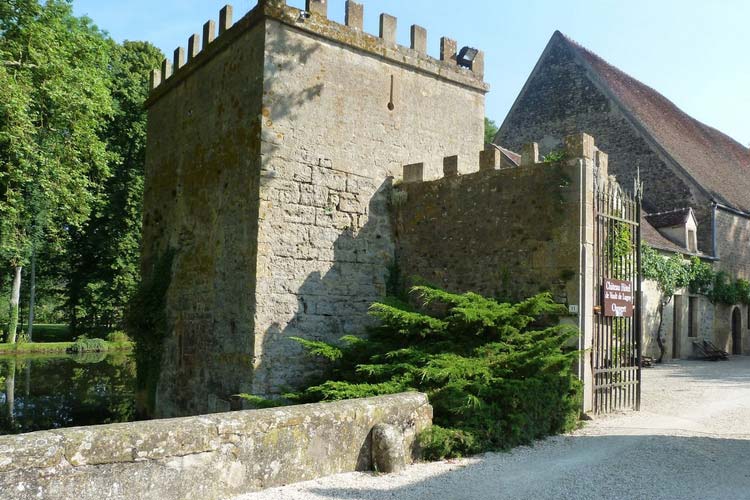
(55, 347)
(52, 333)
(55, 339)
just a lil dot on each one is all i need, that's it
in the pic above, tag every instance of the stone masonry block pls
(580, 146)
(414, 172)
(209, 33)
(388, 28)
(490, 158)
(355, 15)
(155, 80)
(448, 49)
(478, 65)
(419, 39)
(179, 58)
(318, 7)
(450, 166)
(602, 162)
(194, 46)
(166, 69)
(387, 449)
(225, 19)
(529, 154)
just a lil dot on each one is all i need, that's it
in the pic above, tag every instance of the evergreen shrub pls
(497, 374)
(84, 344)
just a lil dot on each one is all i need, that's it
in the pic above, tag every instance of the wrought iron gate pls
(616, 350)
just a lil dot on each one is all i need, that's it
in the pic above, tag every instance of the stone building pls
(271, 151)
(688, 168)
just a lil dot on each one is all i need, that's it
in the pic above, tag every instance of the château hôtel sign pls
(618, 298)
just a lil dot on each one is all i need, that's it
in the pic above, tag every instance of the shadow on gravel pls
(587, 467)
(733, 371)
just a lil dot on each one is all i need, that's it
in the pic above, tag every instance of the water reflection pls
(40, 392)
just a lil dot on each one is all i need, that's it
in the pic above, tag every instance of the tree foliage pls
(56, 98)
(105, 251)
(55, 94)
(497, 374)
(670, 273)
(490, 130)
(72, 141)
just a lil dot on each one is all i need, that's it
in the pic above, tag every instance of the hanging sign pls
(618, 298)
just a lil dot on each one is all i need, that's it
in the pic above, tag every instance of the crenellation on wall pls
(354, 16)
(442, 229)
(529, 154)
(154, 79)
(384, 45)
(450, 166)
(179, 58)
(448, 49)
(477, 65)
(419, 39)
(225, 19)
(388, 25)
(166, 70)
(194, 46)
(414, 172)
(209, 33)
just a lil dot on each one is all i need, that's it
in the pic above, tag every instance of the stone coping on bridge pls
(207, 457)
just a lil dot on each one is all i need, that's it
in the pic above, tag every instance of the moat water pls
(39, 392)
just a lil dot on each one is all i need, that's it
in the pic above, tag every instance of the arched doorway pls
(736, 331)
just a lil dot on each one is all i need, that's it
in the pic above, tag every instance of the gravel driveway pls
(691, 441)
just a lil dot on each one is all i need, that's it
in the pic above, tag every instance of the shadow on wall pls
(280, 101)
(207, 355)
(352, 270)
(644, 466)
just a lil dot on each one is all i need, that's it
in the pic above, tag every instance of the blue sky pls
(696, 53)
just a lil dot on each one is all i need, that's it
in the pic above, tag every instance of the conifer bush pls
(497, 374)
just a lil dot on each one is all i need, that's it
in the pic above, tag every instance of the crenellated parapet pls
(464, 67)
(578, 147)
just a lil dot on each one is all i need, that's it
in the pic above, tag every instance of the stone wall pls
(678, 308)
(733, 243)
(331, 145)
(508, 233)
(208, 457)
(270, 157)
(201, 200)
(562, 98)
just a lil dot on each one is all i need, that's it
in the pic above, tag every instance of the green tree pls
(54, 98)
(497, 374)
(490, 130)
(105, 251)
(669, 274)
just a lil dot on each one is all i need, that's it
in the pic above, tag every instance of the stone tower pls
(271, 152)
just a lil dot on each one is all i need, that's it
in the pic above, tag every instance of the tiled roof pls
(672, 218)
(513, 157)
(714, 160)
(655, 239)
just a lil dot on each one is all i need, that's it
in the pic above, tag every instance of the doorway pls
(677, 326)
(736, 331)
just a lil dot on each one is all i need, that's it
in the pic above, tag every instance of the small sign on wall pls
(617, 298)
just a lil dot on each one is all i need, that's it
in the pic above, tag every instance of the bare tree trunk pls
(15, 301)
(32, 296)
(659, 342)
